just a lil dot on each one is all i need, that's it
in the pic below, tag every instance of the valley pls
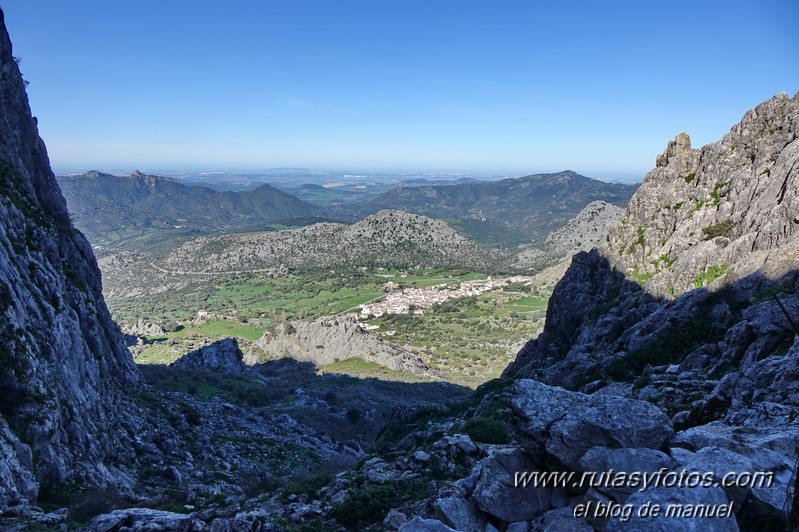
(388, 351)
(464, 339)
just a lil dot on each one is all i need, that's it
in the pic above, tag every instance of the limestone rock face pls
(497, 495)
(613, 422)
(223, 355)
(719, 218)
(589, 229)
(331, 339)
(721, 211)
(665, 497)
(63, 360)
(692, 306)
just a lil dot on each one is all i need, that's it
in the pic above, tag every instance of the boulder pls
(560, 520)
(417, 524)
(496, 492)
(536, 406)
(606, 459)
(460, 514)
(223, 355)
(610, 422)
(144, 519)
(682, 499)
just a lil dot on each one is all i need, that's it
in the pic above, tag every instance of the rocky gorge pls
(670, 349)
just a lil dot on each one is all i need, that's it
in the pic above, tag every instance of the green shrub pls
(370, 504)
(486, 429)
(720, 229)
(710, 274)
(671, 347)
(307, 486)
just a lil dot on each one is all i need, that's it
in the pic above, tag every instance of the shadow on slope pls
(604, 329)
(348, 409)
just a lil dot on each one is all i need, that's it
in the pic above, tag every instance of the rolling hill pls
(505, 212)
(131, 212)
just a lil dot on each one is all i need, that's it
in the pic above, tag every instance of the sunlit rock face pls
(692, 305)
(63, 364)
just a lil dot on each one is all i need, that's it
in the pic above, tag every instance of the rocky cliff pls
(587, 230)
(719, 212)
(63, 362)
(692, 304)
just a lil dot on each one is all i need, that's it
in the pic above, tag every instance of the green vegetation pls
(714, 194)
(720, 229)
(769, 290)
(710, 274)
(368, 505)
(467, 341)
(640, 277)
(669, 348)
(487, 426)
(423, 417)
(306, 486)
(361, 368)
(641, 230)
(667, 263)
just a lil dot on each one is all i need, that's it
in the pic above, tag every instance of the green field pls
(465, 341)
(469, 341)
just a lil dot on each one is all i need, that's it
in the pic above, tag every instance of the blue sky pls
(511, 87)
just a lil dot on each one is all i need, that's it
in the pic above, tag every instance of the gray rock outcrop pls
(691, 305)
(332, 339)
(589, 229)
(64, 362)
(223, 355)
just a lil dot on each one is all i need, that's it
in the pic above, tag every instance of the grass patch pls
(710, 274)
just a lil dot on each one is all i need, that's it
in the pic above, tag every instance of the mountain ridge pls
(512, 210)
(102, 204)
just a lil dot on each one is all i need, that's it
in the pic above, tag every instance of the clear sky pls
(500, 86)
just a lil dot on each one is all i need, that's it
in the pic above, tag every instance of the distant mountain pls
(131, 211)
(589, 229)
(388, 238)
(509, 211)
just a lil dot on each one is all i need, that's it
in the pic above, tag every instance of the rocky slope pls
(692, 304)
(63, 363)
(506, 212)
(719, 212)
(390, 238)
(699, 383)
(589, 229)
(332, 339)
(131, 212)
